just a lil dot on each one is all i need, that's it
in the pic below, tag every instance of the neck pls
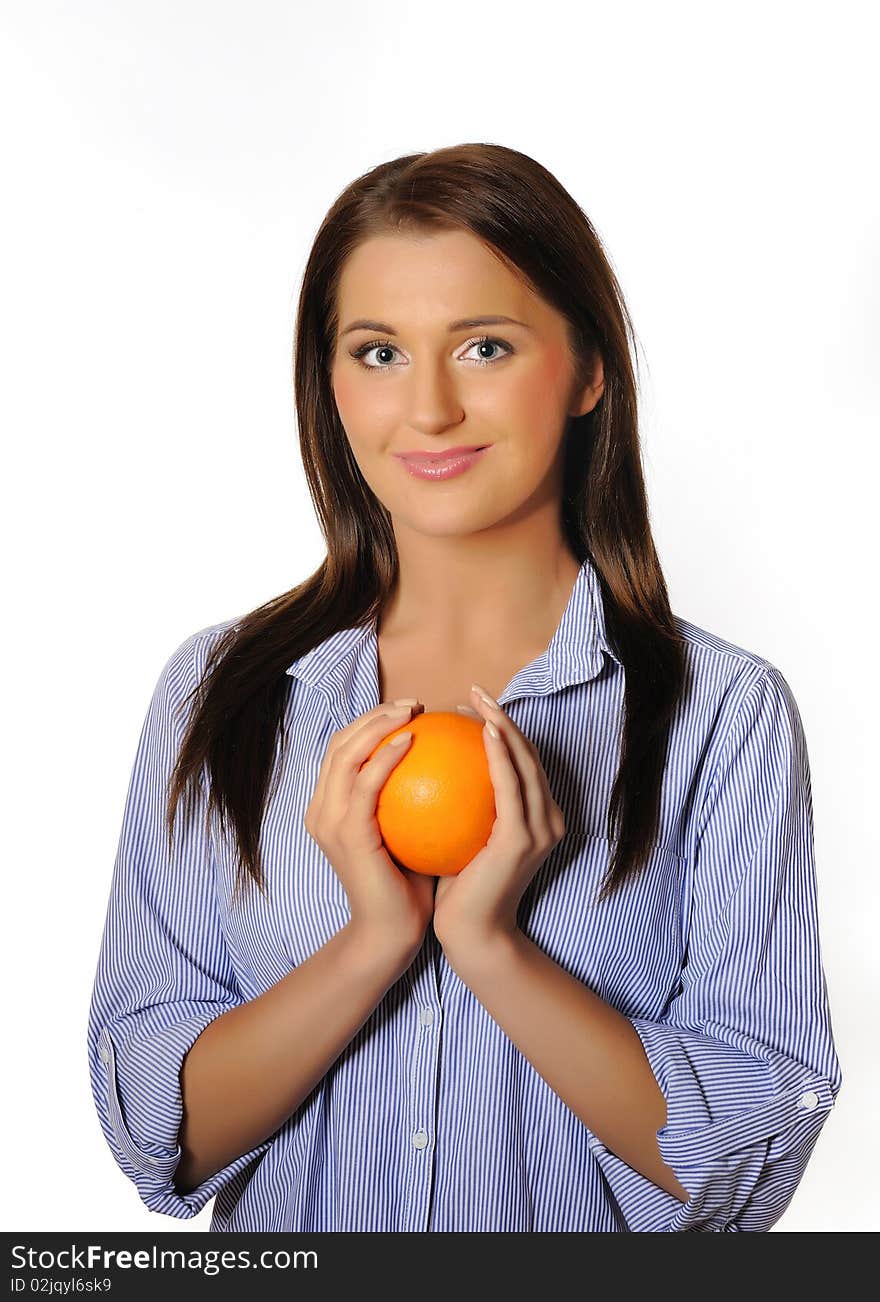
(455, 592)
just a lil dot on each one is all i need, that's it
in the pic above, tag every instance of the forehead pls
(430, 279)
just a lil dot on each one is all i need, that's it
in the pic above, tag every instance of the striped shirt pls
(431, 1118)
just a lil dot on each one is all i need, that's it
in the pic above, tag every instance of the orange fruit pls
(437, 806)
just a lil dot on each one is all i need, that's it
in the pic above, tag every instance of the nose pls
(433, 401)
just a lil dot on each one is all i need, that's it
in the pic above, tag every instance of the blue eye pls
(384, 344)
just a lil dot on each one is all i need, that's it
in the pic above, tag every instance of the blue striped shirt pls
(431, 1118)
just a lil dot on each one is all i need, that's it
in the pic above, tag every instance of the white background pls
(165, 167)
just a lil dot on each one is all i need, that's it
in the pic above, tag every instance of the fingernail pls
(466, 709)
(407, 700)
(400, 739)
(475, 687)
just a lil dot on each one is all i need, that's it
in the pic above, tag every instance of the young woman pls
(615, 1017)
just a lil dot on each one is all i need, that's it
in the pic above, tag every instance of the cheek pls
(341, 386)
(364, 409)
(539, 396)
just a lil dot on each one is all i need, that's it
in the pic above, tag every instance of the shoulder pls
(185, 666)
(717, 653)
(714, 660)
(204, 640)
(731, 688)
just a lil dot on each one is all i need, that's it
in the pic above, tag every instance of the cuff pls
(140, 1103)
(733, 1108)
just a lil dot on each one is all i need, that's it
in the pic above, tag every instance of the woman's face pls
(420, 386)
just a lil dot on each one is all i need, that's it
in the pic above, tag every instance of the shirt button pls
(104, 1054)
(809, 1100)
(420, 1139)
(426, 1017)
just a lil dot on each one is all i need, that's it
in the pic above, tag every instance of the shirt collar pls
(344, 666)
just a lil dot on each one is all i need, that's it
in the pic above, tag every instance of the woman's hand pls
(481, 902)
(390, 902)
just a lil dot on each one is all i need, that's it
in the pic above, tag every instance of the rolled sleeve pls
(744, 1055)
(164, 971)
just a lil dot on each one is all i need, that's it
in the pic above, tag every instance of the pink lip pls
(441, 466)
(445, 455)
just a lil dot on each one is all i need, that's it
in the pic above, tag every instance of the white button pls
(809, 1100)
(104, 1053)
(426, 1017)
(420, 1139)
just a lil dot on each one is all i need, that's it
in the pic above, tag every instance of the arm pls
(744, 1056)
(164, 972)
(253, 1066)
(165, 983)
(583, 1047)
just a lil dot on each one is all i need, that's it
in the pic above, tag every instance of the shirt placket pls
(421, 1120)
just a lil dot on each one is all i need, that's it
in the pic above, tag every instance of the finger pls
(343, 735)
(537, 797)
(510, 808)
(361, 735)
(351, 757)
(372, 776)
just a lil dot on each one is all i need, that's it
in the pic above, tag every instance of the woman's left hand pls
(481, 901)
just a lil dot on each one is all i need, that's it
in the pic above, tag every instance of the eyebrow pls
(466, 323)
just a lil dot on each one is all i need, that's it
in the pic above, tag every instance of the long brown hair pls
(519, 210)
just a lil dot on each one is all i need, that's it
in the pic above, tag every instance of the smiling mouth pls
(447, 466)
(435, 458)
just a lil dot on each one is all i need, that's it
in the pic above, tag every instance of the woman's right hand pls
(392, 903)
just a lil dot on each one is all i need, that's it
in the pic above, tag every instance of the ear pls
(585, 399)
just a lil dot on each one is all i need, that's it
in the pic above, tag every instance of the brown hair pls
(523, 214)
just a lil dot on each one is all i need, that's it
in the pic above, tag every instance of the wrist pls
(378, 946)
(475, 950)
